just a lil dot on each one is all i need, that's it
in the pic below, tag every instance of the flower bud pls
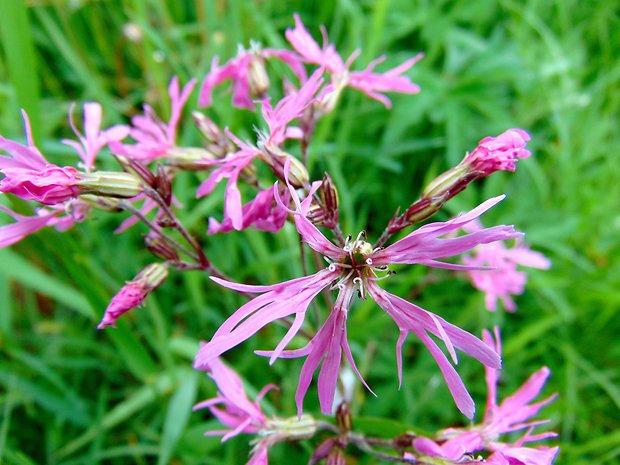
(134, 292)
(137, 168)
(498, 153)
(190, 158)
(160, 248)
(257, 77)
(336, 457)
(289, 429)
(276, 158)
(110, 184)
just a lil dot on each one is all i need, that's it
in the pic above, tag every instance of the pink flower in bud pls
(154, 138)
(504, 279)
(372, 84)
(134, 292)
(234, 410)
(93, 139)
(262, 212)
(499, 153)
(356, 269)
(28, 174)
(248, 75)
(512, 415)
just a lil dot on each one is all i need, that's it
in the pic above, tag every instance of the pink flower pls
(230, 168)
(155, 138)
(499, 153)
(24, 226)
(93, 139)
(540, 455)
(262, 212)
(372, 84)
(290, 108)
(504, 279)
(248, 75)
(133, 293)
(237, 412)
(356, 268)
(512, 415)
(27, 174)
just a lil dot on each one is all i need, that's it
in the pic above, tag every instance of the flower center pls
(357, 265)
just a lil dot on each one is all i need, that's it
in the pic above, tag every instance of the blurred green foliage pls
(70, 394)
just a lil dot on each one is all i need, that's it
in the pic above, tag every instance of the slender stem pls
(134, 211)
(191, 240)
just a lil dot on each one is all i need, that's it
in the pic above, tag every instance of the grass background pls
(72, 395)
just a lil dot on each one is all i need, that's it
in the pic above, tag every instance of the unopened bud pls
(110, 184)
(323, 450)
(160, 248)
(343, 417)
(105, 203)
(137, 168)
(276, 158)
(211, 131)
(190, 158)
(164, 184)
(133, 293)
(325, 214)
(257, 77)
(289, 429)
(446, 181)
(336, 457)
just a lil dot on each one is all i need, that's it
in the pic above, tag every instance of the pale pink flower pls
(263, 212)
(234, 410)
(291, 107)
(230, 168)
(504, 280)
(24, 226)
(372, 84)
(154, 138)
(134, 292)
(540, 455)
(247, 73)
(499, 153)
(356, 268)
(513, 414)
(93, 139)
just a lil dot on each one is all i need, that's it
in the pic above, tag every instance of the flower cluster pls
(269, 183)
(512, 415)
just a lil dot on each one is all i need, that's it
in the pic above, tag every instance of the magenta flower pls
(133, 293)
(93, 139)
(499, 153)
(512, 415)
(154, 138)
(263, 212)
(248, 75)
(356, 268)
(27, 174)
(372, 84)
(504, 279)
